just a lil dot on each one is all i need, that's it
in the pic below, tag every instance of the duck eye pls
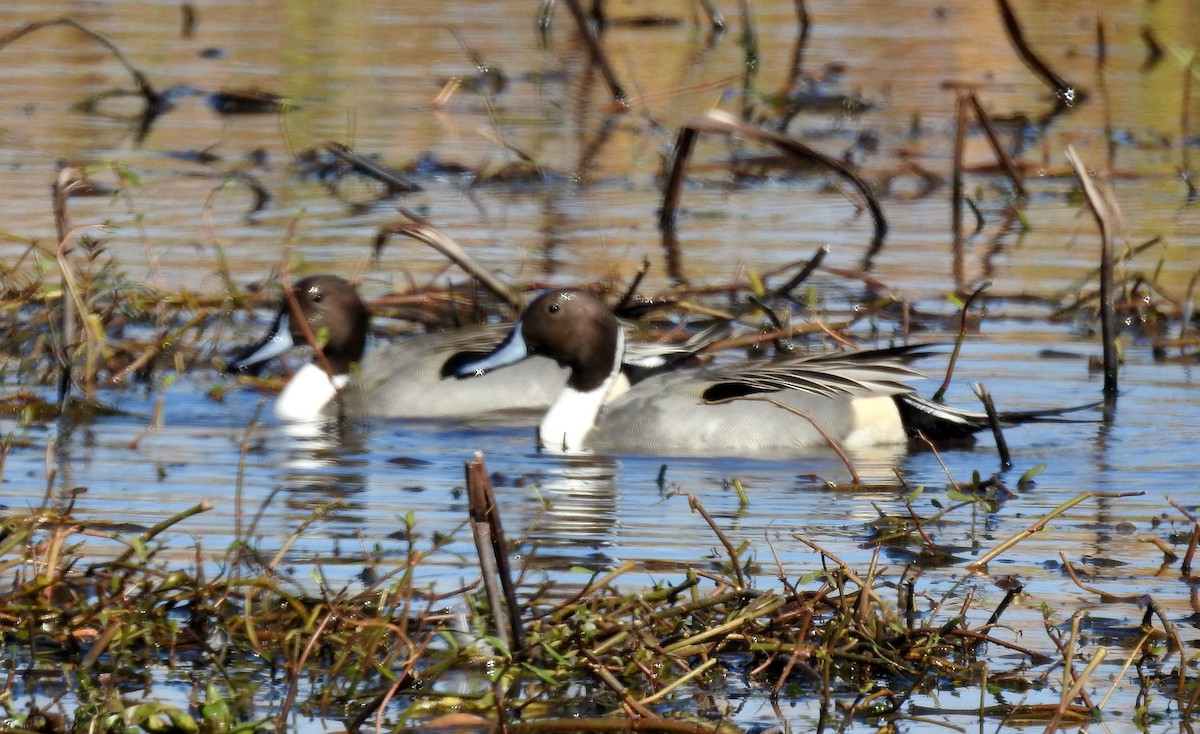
(315, 295)
(554, 307)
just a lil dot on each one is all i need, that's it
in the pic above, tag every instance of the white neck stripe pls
(573, 414)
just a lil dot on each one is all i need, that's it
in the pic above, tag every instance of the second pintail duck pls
(793, 404)
(413, 378)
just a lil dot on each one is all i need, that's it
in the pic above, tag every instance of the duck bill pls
(277, 341)
(513, 349)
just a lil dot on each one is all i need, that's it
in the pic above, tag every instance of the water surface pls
(366, 74)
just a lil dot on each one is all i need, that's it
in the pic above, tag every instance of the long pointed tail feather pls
(943, 423)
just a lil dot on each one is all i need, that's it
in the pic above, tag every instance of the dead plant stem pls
(298, 667)
(1041, 524)
(1104, 210)
(149, 535)
(939, 396)
(734, 561)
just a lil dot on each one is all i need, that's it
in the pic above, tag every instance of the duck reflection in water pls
(324, 474)
(568, 509)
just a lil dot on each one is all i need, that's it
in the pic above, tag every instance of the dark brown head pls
(335, 316)
(568, 325)
(337, 319)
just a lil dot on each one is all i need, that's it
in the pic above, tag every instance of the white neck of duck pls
(573, 414)
(307, 394)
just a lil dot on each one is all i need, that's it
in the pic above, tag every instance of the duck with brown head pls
(792, 404)
(579, 332)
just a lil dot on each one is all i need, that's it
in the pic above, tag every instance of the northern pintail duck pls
(413, 378)
(793, 404)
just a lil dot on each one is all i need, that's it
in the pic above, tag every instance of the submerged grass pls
(144, 642)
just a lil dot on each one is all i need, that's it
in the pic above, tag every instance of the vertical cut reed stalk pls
(493, 556)
(1104, 209)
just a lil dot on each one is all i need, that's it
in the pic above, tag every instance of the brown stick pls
(1065, 93)
(599, 58)
(1105, 597)
(958, 342)
(956, 186)
(493, 556)
(715, 20)
(673, 190)
(422, 231)
(829, 440)
(396, 182)
(724, 124)
(1002, 156)
(1185, 124)
(1040, 524)
(803, 25)
(66, 340)
(994, 421)
(695, 505)
(1104, 209)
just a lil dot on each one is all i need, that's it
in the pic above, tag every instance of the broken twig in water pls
(940, 395)
(155, 102)
(1040, 525)
(1065, 94)
(599, 58)
(994, 422)
(493, 557)
(396, 182)
(1104, 208)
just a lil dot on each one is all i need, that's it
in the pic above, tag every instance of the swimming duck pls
(413, 378)
(856, 399)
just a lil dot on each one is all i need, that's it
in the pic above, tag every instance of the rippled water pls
(366, 74)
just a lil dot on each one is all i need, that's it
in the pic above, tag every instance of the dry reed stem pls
(153, 100)
(760, 607)
(1119, 678)
(1063, 91)
(599, 57)
(956, 186)
(680, 681)
(1010, 168)
(294, 673)
(981, 563)
(424, 232)
(396, 182)
(1076, 689)
(158, 528)
(615, 685)
(734, 562)
(940, 394)
(1107, 215)
(829, 440)
(722, 123)
(994, 423)
(1105, 596)
(493, 557)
